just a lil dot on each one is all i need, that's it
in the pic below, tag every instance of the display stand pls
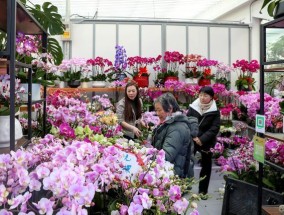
(15, 18)
(264, 64)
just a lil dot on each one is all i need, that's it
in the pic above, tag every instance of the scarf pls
(204, 107)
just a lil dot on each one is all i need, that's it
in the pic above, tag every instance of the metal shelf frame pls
(15, 18)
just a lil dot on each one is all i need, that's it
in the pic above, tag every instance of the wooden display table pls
(270, 209)
(51, 90)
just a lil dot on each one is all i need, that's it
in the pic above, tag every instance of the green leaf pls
(270, 8)
(48, 17)
(4, 111)
(55, 50)
(79, 131)
(268, 183)
(88, 131)
(54, 130)
(232, 174)
(265, 2)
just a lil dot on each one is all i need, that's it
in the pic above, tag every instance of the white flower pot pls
(191, 80)
(35, 92)
(85, 84)
(99, 83)
(5, 131)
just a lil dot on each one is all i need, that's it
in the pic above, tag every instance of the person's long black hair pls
(128, 113)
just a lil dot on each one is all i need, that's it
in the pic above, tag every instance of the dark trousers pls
(206, 168)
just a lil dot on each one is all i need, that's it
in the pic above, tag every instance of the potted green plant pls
(275, 8)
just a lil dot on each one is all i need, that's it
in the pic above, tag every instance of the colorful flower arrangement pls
(245, 71)
(73, 69)
(53, 176)
(101, 67)
(173, 60)
(5, 94)
(242, 165)
(120, 63)
(272, 113)
(191, 66)
(138, 65)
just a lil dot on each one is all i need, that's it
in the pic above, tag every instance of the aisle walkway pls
(213, 205)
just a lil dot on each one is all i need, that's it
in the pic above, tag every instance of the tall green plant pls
(48, 17)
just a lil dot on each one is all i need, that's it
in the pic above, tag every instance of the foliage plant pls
(271, 6)
(5, 95)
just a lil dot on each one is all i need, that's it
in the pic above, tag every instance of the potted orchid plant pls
(245, 70)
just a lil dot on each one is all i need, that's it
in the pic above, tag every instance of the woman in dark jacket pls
(173, 134)
(205, 110)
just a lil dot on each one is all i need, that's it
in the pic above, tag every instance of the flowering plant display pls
(101, 68)
(222, 74)
(100, 103)
(241, 165)
(53, 176)
(5, 95)
(120, 63)
(251, 106)
(73, 69)
(173, 60)
(245, 71)
(205, 66)
(191, 66)
(151, 121)
(138, 65)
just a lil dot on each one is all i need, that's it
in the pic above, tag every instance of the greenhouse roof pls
(208, 10)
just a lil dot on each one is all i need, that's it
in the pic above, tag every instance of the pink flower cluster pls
(275, 151)
(26, 44)
(173, 60)
(101, 65)
(246, 66)
(207, 63)
(70, 173)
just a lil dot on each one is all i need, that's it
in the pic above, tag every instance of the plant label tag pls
(260, 123)
(259, 149)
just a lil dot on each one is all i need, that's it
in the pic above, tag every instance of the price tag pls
(259, 149)
(260, 123)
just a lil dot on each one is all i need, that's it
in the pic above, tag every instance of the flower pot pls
(97, 84)
(35, 92)
(171, 78)
(204, 82)
(85, 84)
(73, 84)
(236, 201)
(191, 81)
(5, 131)
(142, 81)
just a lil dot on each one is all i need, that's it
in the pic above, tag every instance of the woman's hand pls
(136, 131)
(197, 141)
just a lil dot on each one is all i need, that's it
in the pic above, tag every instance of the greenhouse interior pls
(142, 107)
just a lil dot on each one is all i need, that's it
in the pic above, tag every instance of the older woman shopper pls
(204, 108)
(173, 133)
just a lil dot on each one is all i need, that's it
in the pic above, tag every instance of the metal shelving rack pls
(15, 18)
(275, 24)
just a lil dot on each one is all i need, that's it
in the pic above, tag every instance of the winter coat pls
(209, 124)
(120, 106)
(173, 136)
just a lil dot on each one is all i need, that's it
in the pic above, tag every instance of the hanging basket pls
(142, 81)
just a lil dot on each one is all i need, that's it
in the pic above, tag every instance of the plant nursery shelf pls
(270, 210)
(51, 90)
(274, 166)
(275, 136)
(23, 142)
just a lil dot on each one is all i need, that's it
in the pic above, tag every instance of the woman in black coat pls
(205, 110)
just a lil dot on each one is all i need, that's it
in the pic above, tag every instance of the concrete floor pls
(213, 205)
